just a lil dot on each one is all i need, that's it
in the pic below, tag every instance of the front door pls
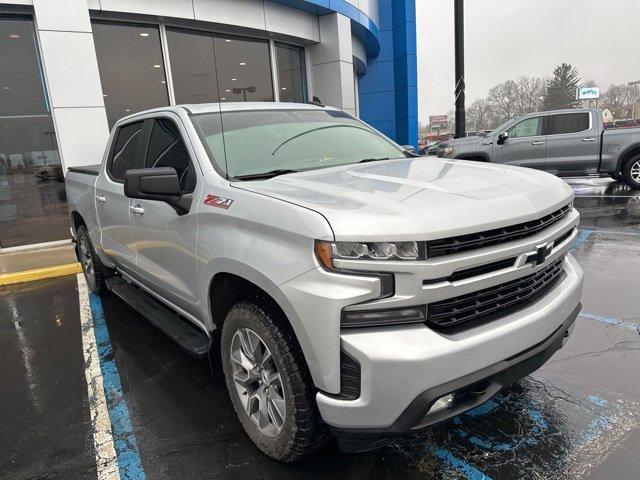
(526, 146)
(112, 207)
(165, 240)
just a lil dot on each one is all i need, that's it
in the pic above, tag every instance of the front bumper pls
(468, 392)
(404, 368)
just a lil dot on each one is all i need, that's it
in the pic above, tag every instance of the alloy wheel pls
(258, 382)
(86, 258)
(634, 173)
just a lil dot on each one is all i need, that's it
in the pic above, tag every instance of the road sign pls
(588, 93)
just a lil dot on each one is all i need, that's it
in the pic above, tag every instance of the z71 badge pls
(216, 201)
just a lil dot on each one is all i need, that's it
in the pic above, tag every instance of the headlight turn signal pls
(326, 252)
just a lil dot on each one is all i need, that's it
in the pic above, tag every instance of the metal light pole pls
(635, 97)
(459, 60)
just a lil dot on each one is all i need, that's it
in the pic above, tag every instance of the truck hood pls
(418, 199)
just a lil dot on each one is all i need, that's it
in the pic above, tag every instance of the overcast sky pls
(508, 38)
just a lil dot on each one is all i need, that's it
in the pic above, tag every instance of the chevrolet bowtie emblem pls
(539, 256)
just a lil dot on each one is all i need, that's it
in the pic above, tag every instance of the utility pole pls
(635, 97)
(459, 60)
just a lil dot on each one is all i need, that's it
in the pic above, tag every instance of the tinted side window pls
(125, 151)
(567, 123)
(167, 149)
(526, 128)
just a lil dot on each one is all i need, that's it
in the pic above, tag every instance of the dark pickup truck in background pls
(567, 143)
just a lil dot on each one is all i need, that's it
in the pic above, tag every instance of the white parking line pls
(106, 458)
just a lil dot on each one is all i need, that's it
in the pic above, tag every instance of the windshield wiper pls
(367, 160)
(315, 130)
(265, 175)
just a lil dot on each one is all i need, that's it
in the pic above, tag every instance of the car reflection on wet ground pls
(577, 417)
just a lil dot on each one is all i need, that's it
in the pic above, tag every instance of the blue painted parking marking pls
(463, 467)
(582, 237)
(611, 321)
(480, 434)
(128, 457)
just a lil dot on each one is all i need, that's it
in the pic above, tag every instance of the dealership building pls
(69, 69)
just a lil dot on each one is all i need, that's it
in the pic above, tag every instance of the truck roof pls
(199, 108)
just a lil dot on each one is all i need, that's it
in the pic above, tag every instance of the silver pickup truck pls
(343, 286)
(564, 142)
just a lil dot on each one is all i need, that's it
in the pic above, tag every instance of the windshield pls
(263, 141)
(499, 129)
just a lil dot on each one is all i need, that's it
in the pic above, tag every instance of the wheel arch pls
(76, 221)
(628, 154)
(475, 157)
(230, 285)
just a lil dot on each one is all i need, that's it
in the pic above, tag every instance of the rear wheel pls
(91, 265)
(631, 172)
(269, 383)
(617, 176)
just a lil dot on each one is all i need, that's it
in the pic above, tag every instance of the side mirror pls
(409, 148)
(160, 183)
(503, 137)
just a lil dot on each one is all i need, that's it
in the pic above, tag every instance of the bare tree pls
(479, 115)
(617, 95)
(529, 93)
(503, 99)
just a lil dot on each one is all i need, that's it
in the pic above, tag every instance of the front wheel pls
(631, 172)
(269, 383)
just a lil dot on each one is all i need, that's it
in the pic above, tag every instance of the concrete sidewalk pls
(30, 265)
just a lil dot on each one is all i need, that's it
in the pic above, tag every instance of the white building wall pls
(72, 80)
(332, 63)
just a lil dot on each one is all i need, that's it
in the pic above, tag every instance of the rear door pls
(112, 207)
(573, 143)
(165, 240)
(526, 146)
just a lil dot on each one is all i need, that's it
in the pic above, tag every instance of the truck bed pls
(80, 183)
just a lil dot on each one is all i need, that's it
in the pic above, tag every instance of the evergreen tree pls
(561, 88)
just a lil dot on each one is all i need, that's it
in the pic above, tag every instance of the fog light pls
(375, 318)
(441, 404)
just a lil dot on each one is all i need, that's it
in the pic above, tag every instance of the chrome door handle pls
(101, 199)
(136, 209)
(588, 139)
(540, 142)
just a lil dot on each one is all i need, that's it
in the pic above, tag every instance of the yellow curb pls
(40, 273)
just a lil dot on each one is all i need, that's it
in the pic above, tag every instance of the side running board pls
(189, 337)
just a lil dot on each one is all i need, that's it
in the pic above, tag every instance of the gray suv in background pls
(564, 142)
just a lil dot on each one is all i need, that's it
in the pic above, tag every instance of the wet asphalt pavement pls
(577, 417)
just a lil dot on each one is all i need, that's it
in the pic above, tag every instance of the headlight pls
(328, 251)
(445, 152)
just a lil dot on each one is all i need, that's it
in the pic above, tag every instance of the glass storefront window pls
(210, 68)
(244, 70)
(33, 205)
(131, 68)
(290, 64)
(193, 67)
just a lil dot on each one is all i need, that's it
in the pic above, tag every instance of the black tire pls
(92, 267)
(630, 170)
(617, 176)
(303, 431)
